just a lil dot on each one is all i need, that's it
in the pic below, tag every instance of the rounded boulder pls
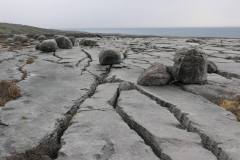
(109, 57)
(48, 46)
(64, 42)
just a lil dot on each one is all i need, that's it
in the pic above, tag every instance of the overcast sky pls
(121, 13)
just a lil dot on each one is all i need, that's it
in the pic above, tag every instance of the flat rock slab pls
(98, 132)
(160, 128)
(9, 71)
(218, 88)
(218, 128)
(48, 92)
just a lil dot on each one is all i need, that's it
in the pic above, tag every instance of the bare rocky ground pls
(72, 108)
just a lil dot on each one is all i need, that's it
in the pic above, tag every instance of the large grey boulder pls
(109, 57)
(20, 38)
(212, 67)
(190, 66)
(64, 42)
(156, 75)
(48, 46)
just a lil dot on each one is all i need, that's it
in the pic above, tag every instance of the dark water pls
(230, 32)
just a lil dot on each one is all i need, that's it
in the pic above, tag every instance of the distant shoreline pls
(187, 32)
(182, 32)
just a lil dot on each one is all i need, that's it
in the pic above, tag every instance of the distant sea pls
(228, 32)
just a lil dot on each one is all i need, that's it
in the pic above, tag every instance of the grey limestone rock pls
(73, 40)
(64, 42)
(156, 75)
(212, 67)
(190, 66)
(109, 57)
(87, 42)
(48, 46)
(41, 38)
(20, 38)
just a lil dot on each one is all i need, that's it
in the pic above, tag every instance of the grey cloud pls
(120, 13)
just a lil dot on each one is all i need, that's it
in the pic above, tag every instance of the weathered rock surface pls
(64, 42)
(190, 66)
(109, 57)
(48, 46)
(72, 107)
(156, 75)
(51, 90)
(217, 128)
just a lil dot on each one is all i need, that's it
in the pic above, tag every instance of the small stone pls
(190, 66)
(212, 67)
(124, 86)
(156, 75)
(48, 46)
(64, 42)
(109, 57)
(89, 43)
(195, 41)
(9, 40)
